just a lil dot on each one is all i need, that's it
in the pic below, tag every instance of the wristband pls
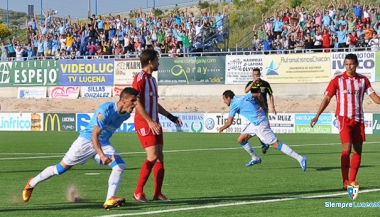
(172, 118)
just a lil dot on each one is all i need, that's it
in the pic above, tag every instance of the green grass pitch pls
(205, 176)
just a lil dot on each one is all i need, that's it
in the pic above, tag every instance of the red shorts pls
(147, 138)
(350, 130)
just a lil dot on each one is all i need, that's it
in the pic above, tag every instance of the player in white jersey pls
(349, 88)
(93, 142)
(259, 126)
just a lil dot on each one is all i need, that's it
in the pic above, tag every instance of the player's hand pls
(155, 127)
(105, 160)
(313, 121)
(274, 111)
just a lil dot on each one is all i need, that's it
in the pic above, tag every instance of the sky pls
(79, 8)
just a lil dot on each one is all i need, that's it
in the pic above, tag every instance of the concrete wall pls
(299, 90)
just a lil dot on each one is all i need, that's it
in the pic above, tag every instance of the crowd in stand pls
(339, 27)
(115, 36)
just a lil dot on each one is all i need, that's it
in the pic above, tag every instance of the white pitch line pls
(236, 204)
(167, 151)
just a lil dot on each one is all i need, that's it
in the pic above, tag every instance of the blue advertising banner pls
(99, 72)
(84, 118)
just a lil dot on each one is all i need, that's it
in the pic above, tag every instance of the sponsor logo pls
(353, 191)
(209, 123)
(50, 122)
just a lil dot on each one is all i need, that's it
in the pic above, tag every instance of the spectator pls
(358, 11)
(374, 43)
(318, 40)
(342, 38)
(353, 40)
(4, 51)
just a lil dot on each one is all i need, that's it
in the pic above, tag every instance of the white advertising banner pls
(96, 91)
(116, 90)
(21, 122)
(68, 92)
(282, 122)
(239, 68)
(31, 92)
(213, 122)
(366, 64)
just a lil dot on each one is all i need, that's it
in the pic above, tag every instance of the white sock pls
(114, 180)
(248, 148)
(45, 174)
(288, 151)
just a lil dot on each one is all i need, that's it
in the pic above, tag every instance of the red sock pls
(345, 164)
(145, 171)
(355, 164)
(159, 172)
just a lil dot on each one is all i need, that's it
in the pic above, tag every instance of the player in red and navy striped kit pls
(349, 88)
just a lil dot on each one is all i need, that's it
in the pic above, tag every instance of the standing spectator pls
(309, 43)
(353, 39)
(374, 43)
(358, 11)
(93, 142)
(342, 38)
(349, 88)
(4, 51)
(268, 44)
(11, 49)
(148, 127)
(318, 40)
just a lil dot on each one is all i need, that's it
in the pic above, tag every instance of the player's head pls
(350, 63)
(228, 95)
(256, 74)
(149, 59)
(128, 100)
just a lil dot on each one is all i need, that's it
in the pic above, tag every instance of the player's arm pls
(154, 126)
(248, 87)
(375, 97)
(95, 142)
(167, 114)
(226, 125)
(322, 107)
(271, 99)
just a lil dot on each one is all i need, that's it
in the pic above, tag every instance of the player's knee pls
(59, 169)
(118, 164)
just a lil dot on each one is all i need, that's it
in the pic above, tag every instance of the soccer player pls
(349, 88)
(148, 126)
(260, 89)
(258, 126)
(93, 142)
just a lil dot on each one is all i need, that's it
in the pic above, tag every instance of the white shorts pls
(263, 131)
(82, 150)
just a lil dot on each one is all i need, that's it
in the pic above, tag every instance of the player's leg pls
(159, 173)
(264, 147)
(243, 138)
(267, 135)
(149, 144)
(358, 138)
(72, 157)
(117, 165)
(345, 132)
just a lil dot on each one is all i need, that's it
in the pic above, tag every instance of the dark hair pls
(228, 94)
(256, 70)
(128, 91)
(146, 56)
(352, 56)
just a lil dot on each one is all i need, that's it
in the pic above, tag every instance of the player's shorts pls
(82, 150)
(147, 138)
(263, 131)
(350, 130)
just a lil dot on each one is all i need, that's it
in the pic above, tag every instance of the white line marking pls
(92, 174)
(237, 204)
(140, 152)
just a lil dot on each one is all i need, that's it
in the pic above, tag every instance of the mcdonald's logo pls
(50, 121)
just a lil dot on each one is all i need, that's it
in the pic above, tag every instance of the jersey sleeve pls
(369, 90)
(331, 88)
(138, 84)
(100, 117)
(234, 108)
(270, 91)
(248, 84)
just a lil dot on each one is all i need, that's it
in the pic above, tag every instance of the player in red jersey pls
(349, 88)
(148, 126)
